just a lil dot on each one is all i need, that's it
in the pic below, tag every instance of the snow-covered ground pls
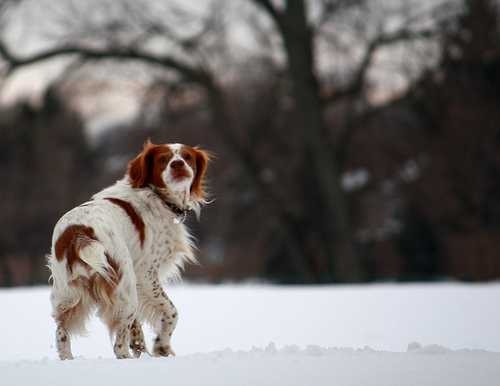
(265, 335)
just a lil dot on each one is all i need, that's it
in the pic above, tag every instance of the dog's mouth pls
(179, 174)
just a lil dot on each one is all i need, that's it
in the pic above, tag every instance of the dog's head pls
(174, 167)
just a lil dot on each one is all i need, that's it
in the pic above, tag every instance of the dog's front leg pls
(168, 321)
(162, 314)
(137, 344)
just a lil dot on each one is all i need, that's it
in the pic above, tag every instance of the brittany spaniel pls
(112, 252)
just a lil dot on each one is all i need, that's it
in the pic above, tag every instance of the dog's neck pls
(178, 202)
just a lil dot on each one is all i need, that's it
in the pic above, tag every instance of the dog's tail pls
(106, 272)
(93, 253)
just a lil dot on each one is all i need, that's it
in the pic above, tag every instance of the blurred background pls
(356, 140)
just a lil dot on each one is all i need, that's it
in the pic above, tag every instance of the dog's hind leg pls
(160, 312)
(70, 316)
(63, 343)
(118, 303)
(70, 307)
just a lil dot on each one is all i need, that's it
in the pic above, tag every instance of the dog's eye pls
(163, 160)
(187, 157)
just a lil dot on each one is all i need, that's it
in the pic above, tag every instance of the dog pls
(113, 252)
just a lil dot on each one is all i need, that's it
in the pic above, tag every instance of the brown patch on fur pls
(115, 273)
(113, 325)
(69, 317)
(69, 244)
(101, 290)
(147, 167)
(200, 159)
(132, 214)
(71, 241)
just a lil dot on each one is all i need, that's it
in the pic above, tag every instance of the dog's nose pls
(177, 164)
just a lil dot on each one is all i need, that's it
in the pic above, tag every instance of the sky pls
(30, 31)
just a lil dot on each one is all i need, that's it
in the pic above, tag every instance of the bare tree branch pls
(191, 73)
(331, 7)
(271, 10)
(358, 82)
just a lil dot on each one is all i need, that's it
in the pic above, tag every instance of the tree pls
(333, 211)
(34, 143)
(459, 101)
(318, 220)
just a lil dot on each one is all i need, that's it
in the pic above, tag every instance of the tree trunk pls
(344, 264)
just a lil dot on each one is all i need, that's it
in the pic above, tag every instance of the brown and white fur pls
(113, 252)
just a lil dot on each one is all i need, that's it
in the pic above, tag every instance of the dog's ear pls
(139, 169)
(198, 185)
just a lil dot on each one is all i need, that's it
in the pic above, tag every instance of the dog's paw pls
(137, 344)
(137, 347)
(121, 351)
(65, 356)
(123, 356)
(162, 349)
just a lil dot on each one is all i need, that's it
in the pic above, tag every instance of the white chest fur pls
(167, 244)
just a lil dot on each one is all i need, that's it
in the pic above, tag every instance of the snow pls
(441, 334)
(355, 180)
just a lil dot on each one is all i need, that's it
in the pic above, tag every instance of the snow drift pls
(324, 335)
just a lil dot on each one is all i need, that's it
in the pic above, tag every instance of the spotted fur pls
(113, 252)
